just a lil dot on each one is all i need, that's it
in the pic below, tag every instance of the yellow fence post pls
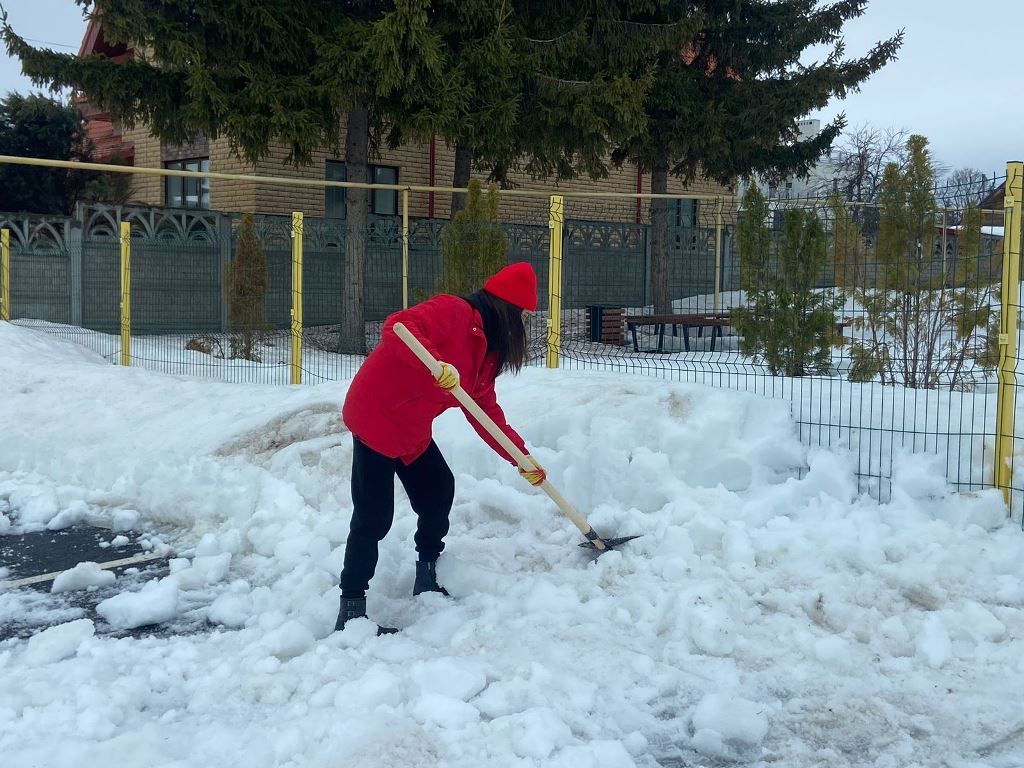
(296, 377)
(5, 275)
(1007, 373)
(718, 255)
(126, 293)
(556, 218)
(405, 249)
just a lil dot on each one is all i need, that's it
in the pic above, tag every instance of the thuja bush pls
(473, 245)
(246, 286)
(786, 322)
(925, 316)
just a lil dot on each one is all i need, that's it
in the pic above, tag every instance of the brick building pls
(429, 164)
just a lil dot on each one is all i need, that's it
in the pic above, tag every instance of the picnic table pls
(699, 320)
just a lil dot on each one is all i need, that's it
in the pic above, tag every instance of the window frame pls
(688, 218)
(378, 203)
(178, 190)
(334, 197)
(384, 198)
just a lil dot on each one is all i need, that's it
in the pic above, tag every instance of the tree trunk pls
(463, 169)
(352, 339)
(659, 238)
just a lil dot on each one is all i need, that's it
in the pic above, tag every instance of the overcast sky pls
(957, 80)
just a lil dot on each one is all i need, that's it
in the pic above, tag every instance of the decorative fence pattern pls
(610, 286)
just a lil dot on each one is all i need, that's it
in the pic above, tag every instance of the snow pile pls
(82, 576)
(56, 643)
(155, 603)
(769, 615)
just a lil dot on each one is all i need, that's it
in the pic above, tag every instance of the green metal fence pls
(688, 311)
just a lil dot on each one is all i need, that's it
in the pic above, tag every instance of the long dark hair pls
(504, 329)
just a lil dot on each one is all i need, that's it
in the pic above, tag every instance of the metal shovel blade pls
(608, 543)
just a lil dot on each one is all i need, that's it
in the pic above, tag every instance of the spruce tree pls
(37, 126)
(587, 70)
(683, 88)
(786, 322)
(727, 105)
(543, 87)
(261, 73)
(236, 69)
(482, 70)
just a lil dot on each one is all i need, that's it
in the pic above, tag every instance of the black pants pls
(430, 485)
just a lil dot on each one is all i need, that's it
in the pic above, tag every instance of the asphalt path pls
(33, 559)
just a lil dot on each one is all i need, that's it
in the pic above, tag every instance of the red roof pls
(107, 140)
(692, 51)
(95, 42)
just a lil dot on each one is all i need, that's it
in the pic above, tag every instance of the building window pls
(334, 197)
(185, 192)
(684, 213)
(383, 202)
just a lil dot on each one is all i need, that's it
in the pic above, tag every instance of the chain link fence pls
(880, 323)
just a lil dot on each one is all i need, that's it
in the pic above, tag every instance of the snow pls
(771, 614)
(56, 643)
(991, 231)
(36, 505)
(82, 576)
(155, 603)
(123, 519)
(720, 719)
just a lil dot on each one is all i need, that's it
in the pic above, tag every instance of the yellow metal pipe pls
(556, 218)
(945, 244)
(296, 329)
(1007, 376)
(5, 275)
(126, 293)
(314, 183)
(815, 201)
(718, 257)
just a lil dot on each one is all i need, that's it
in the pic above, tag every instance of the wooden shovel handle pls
(487, 422)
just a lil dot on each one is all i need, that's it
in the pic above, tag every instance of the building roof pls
(106, 138)
(692, 51)
(994, 200)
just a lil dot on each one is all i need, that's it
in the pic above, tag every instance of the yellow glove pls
(534, 476)
(449, 377)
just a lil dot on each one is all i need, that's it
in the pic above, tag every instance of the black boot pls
(426, 578)
(355, 608)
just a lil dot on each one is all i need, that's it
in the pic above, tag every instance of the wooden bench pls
(842, 323)
(699, 320)
(605, 325)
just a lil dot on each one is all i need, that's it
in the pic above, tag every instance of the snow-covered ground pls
(769, 616)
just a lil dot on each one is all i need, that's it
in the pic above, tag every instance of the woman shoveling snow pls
(390, 409)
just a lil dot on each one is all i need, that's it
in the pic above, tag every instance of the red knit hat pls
(516, 284)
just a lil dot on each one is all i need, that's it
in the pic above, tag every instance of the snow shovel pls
(595, 542)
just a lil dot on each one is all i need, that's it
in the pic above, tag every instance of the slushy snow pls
(56, 643)
(82, 576)
(769, 616)
(155, 603)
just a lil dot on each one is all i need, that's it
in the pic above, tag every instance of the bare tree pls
(964, 187)
(860, 159)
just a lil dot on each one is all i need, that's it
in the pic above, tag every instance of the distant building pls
(821, 180)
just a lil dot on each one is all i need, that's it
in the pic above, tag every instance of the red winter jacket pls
(393, 399)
